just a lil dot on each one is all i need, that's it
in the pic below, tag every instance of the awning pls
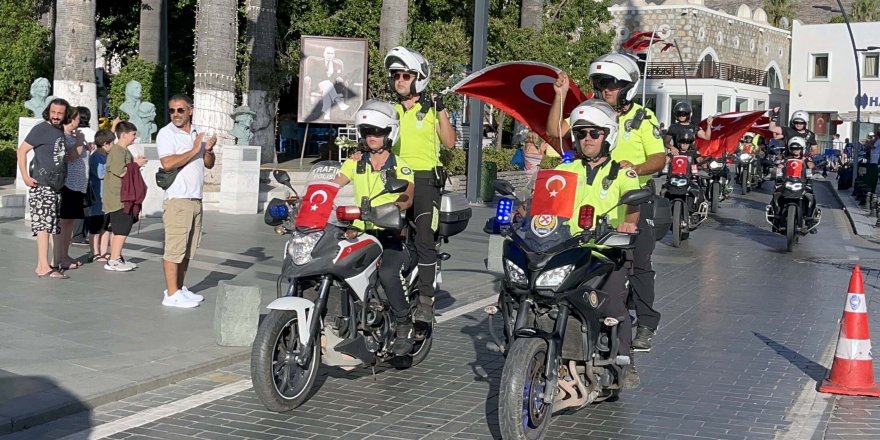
(872, 117)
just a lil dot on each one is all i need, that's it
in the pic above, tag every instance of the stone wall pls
(803, 12)
(519, 179)
(733, 40)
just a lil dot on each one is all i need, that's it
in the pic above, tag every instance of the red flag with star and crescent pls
(316, 205)
(554, 194)
(523, 90)
(727, 130)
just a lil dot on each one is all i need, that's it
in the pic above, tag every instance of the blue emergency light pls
(502, 213)
(279, 211)
(568, 156)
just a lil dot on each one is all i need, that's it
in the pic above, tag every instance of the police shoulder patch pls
(657, 133)
(631, 173)
(405, 171)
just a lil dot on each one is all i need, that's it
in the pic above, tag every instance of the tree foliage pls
(777, 9)
(865, 11)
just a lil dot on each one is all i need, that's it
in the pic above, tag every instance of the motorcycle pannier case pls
(454, 214)
(662, 214)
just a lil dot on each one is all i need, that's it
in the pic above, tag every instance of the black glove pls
(438, 103)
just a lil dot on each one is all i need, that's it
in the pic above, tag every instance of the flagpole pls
(687, 95)
(647, 63)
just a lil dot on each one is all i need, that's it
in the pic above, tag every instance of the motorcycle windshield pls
(543, 233)
(324, 170)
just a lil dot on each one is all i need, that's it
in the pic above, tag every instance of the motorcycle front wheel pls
(791, 229)
(676, 224)
(746, 180)
(716, 197)
(522, 413)
(279, 381)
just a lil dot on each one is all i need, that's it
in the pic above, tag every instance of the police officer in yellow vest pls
(424, 127)
(601, 184)
(377, 129)
(639, 147)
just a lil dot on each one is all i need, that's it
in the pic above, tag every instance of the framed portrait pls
(332, 79)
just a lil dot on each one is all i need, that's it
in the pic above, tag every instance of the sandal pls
(70, 266)
(100, 258)
(53, 274)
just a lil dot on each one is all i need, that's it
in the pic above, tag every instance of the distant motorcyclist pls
(796, 151)
(378, 126)
(797, 128)
(682, 113)
(601, 184)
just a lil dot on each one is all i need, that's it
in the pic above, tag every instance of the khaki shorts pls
(183, 228)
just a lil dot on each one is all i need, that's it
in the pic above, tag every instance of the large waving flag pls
(522, 89)
(727, 130)
(640, 41)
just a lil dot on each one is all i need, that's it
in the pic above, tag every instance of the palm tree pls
(75, 54)
(392, 25)
(532, 15)
(865, 10)
(150, 41)
(214, 78)
(777, 9)
(262, 92)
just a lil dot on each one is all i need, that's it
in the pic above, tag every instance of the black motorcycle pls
(684, 189)
(792, 210)
(717, 187)
(561, 349)
(332, 309)
(748, 171)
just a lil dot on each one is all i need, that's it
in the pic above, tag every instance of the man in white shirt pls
(181, 147)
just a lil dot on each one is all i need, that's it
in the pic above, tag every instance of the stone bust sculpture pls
(244, 118)
(39, 97)
(145, 124)
(133, 91)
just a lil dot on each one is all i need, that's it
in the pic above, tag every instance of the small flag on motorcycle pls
(585, 217)
(502, 213)
(679, 165)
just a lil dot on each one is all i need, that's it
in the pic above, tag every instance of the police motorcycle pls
(684, 189)
(792, 200)
(748, 173)
(329, 307)
(717, 188)
(561, 350)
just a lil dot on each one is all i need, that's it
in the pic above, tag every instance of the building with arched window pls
(723, 62)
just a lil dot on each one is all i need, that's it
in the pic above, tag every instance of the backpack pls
(519, 159)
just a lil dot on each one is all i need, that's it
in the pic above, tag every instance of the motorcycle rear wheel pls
(676, 224)
(281, 384)
(522, 414)
(791, 229)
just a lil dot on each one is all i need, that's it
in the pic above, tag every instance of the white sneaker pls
(178, 300)
(193, 296)
(118, 266)
(132, 263)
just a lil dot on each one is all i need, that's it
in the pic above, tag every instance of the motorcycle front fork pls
(315, 323)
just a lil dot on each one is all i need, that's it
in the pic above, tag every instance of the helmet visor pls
(605, 82)
(798, 121)
(371, 130)
(682, 114)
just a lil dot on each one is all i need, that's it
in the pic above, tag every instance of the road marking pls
(806, 413)
(159, 412)
(467, 308)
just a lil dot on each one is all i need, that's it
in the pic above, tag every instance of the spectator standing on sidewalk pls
(80, 228)
(181, 148)
(49, 167)
(73, 193)
(120, 222)
(533, 150)
(97, 221)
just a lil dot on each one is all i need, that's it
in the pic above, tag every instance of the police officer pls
(377, 128)
(797, 128)
(601, 184)
(424, 126)
(639, 147)
(682, 113)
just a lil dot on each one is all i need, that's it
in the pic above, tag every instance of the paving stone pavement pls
(746, 333)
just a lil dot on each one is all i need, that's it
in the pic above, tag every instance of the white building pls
(823, 77)
(730, 62)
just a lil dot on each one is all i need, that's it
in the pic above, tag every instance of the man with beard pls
(48, 171)
(180, 148)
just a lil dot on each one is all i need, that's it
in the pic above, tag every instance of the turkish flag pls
(555, 193)
(727, 130)
(316, 205)
(522, 89)
(761, 127)
(640, 41)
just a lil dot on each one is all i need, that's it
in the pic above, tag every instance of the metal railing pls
(723, 71)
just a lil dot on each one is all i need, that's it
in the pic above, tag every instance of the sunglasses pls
(406, 76)
(179, 111)
(370, 130)
(800, 123)
(608, 83)
(594, 133)
(681, 115)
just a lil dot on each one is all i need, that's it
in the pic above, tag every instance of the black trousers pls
(389, 273)
(616, 307)
(424, 213)
(642, 279)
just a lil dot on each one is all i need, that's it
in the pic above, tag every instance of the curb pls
(833, 190)
(53, 410)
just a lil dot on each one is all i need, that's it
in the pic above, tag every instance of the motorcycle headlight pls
(745, 157)
(554, 277)
(794, 186)
(715, 165)
(678, 181)
(301, 246)
(514, 273)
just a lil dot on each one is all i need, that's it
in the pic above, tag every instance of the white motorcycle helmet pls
(796, 142)
(377, 116)
(401, 58)
(618, 67)
(800, 116)
(749, 135)
(595, 113)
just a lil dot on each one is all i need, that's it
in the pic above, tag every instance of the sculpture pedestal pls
(239, 179)
(24, 127)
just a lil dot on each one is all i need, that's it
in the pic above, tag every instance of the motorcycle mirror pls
(636, 197)
(395, 186)
(503, 187)
(387, 216)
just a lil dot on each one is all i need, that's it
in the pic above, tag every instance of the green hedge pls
(455, 160)
(7, 158)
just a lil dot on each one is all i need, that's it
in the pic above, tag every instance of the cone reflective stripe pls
(852, 372)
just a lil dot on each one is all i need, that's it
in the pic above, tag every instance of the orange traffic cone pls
(852, 372)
